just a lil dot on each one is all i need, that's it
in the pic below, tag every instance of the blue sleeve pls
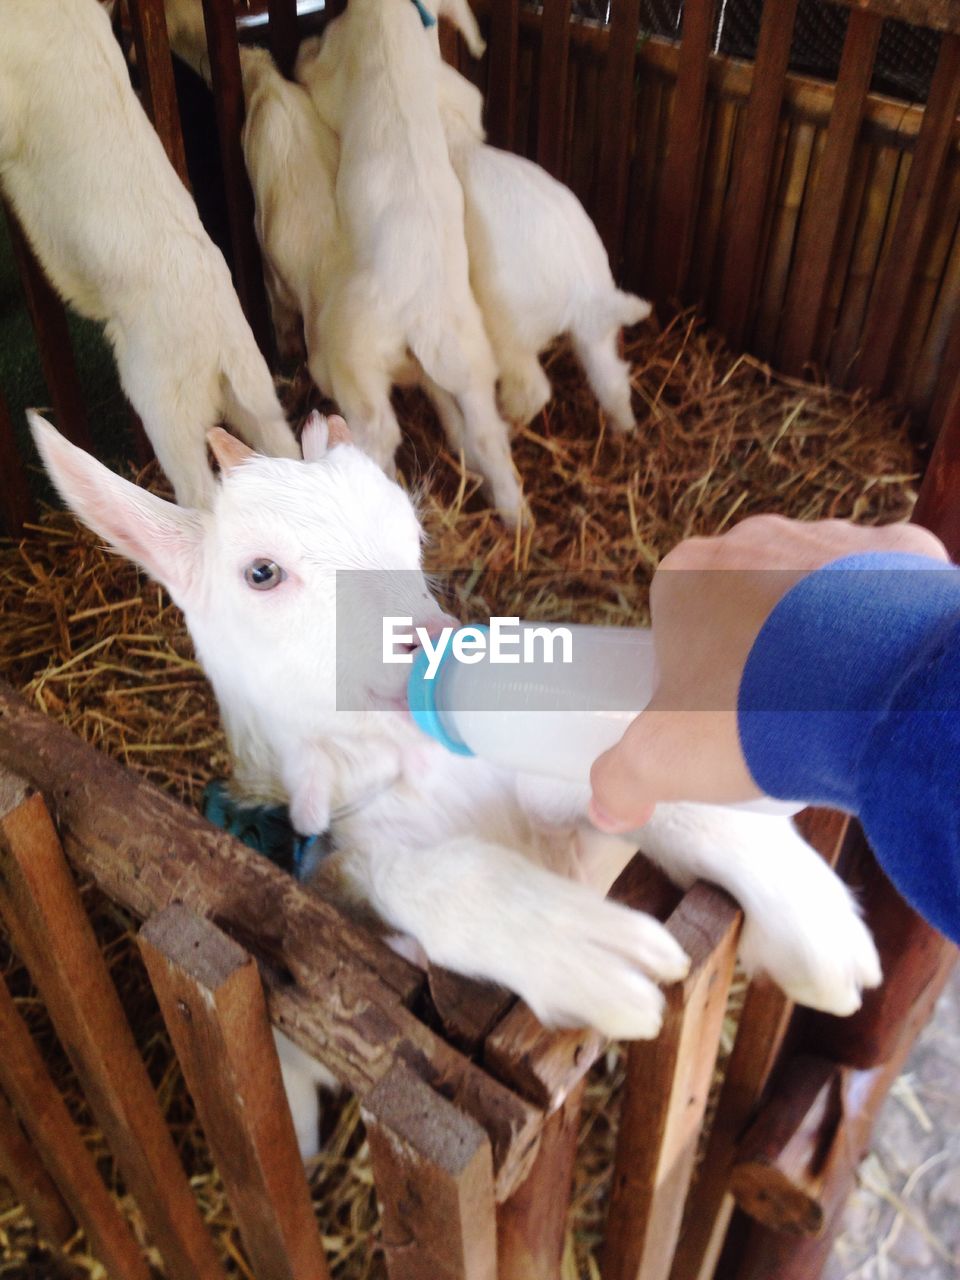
(850, 698)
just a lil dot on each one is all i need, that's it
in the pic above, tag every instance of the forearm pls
(851, 697)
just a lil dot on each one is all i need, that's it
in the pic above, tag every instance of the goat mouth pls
(394, 700)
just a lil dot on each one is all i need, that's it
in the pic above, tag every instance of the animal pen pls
(815, 224)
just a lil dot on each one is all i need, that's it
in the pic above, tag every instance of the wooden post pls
(228, 96)
(212, 1001)
(44, 1115)
(760, 1038)
(503, 56)
(149, 24)
(46, 921)
(889, 300)
(49, 321)
(668, 1082)
(680, 181)
(23, 1169)
(820, 225)
(753, 167)
(531, 1225)
(16, 501)
(552, 102)
(614, 143)
(434, 1179)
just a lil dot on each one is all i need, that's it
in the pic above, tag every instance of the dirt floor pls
(903, 1221)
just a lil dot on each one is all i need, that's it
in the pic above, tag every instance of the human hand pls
(709, 600)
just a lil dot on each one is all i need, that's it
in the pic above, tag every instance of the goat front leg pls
(485, 911)
(802, 926)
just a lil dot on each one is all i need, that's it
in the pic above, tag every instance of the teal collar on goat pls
(426, 17)
(267, 829)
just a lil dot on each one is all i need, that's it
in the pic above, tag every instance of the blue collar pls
(426, 17)
(267, 829)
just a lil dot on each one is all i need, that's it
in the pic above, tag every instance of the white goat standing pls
(537, 266)
(291, 157)
(402, 287)
(120, 237)
(442, 846)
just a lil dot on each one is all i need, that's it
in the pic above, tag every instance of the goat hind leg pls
(609, 377)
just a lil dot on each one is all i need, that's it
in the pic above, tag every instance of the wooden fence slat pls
(764, 1021)
(44, 1115)
(434, 1180)
(937, 360)
(284, 33)
(531, 1225)
(820, 221)
(332, 987)
(680, 181)
(825, 1156)
(16, 501)
(503, 61)
(796, 161)
(942, 15)
(616, 135)
(52, 934)
(938, 507)
(753, 165)
(212, 1002)
(668, 1083)
(542, 1065)
(773, 1178)
(552, 101)
(760, 1037)
(888, 304)
(33, 1186)
(49, 320)
(884, 187)
(228, 97)
(149, 24)
(467, 1009)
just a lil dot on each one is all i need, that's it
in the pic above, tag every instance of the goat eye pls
(263, 575)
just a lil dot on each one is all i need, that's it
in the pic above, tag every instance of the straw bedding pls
(94, 644)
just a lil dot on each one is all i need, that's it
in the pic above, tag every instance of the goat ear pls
(320, 434)
(227, 449)
(163, 538)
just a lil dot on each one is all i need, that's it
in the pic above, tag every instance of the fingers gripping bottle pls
(544, 699)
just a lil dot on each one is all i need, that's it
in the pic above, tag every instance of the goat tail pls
(613, 309)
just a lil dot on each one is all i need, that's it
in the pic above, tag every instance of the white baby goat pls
(537, 266)
(291, 157)
(442, 846)
(402, 289)
(120, 238)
